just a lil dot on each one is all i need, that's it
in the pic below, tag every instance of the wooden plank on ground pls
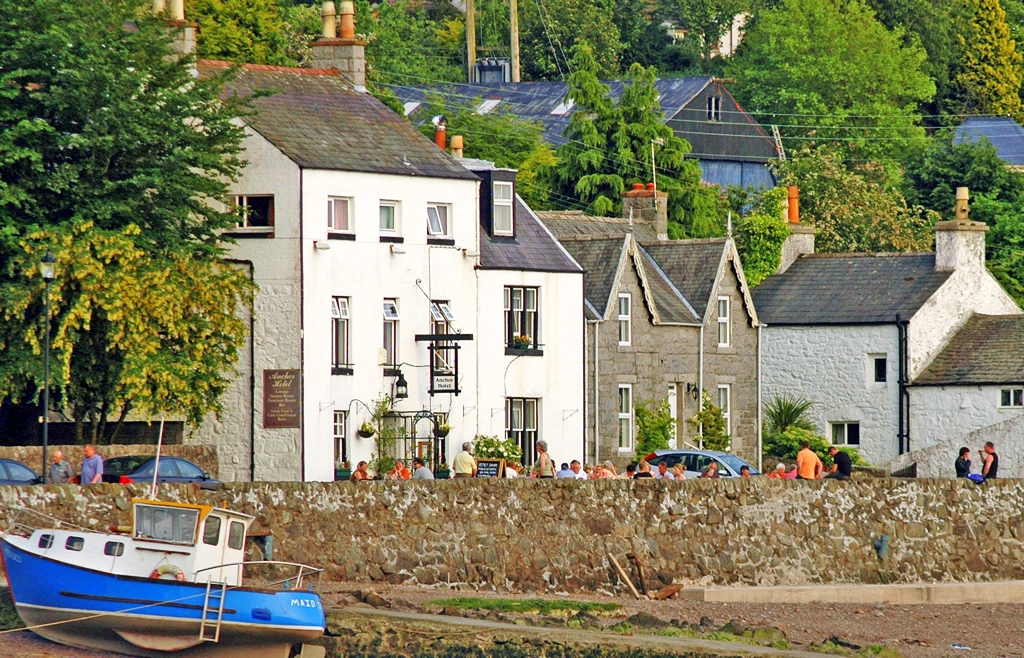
(667, 592)
(623, 576)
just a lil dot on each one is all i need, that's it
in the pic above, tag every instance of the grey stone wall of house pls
(657, 357)
(554, 535)
(735, 366)
(205, 457)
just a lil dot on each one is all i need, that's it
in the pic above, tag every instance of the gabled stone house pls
(861, 335)
(665, 319)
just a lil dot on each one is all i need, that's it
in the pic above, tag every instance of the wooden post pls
(514, 28)
(624, 576)
(470, 39)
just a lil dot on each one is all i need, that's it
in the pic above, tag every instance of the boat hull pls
(153, 617)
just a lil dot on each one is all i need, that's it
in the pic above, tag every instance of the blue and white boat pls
(168, 585)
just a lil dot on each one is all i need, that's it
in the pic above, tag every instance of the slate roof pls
(831, 289)
(321, 122)
(692, 265)
(600, 262)
(533, 248)
(537, 100)
(574, 224)
(1003, 132)
(987, 350)
(671, 305)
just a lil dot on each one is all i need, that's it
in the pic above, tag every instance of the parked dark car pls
(139, 469)
(696, 462)
(14, 472)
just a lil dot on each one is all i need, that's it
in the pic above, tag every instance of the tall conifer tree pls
(989, 71)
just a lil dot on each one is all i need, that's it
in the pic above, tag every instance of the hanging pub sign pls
(444, 361)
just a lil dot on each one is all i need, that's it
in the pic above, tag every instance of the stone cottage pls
(666, 319)
(863, 336)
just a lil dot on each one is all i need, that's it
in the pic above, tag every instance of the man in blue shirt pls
(565, 472)
(92, 466)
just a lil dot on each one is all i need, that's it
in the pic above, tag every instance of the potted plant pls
(443, 472)
(443, 430)
(521, 341)
(343, 473)
(366, 430)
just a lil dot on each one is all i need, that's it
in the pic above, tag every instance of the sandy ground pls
(915, 631)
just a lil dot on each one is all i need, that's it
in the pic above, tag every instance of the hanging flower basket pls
(366, 430)
(443, 430)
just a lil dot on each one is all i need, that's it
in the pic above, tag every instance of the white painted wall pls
(367, 271)
(949, 413)
(936, 461)
(830, 366)
(556, 378)
(970, 289)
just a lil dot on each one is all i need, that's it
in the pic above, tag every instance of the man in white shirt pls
(664, 473)
(574, 466)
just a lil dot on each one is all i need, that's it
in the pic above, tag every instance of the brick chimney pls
(184, 31)
(960, 244)
(648, 207)
(800, 240)
(345, 53)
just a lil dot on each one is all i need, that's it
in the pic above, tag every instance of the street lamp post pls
(46, 267)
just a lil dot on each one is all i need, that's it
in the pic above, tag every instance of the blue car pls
(14, 472)
(125, 470)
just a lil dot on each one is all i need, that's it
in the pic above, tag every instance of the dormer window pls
(503, 222)
(714, 108)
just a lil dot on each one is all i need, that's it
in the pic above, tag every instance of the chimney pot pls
(327, 15)
(456, 144)
(439, 136)
(650, 187)
(793, 198)
(961, 209)
(159, 6)
(638, 186)
(348, 20)
(177, 10)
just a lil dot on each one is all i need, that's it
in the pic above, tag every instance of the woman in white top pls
(511, 468)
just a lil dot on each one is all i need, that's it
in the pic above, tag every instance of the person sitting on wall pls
(630, 472)
(399, 472)
(989, 461)
(589, 470)
(420, 470)
(360, 473)
(512, 468)
(643, 470)
(744, 471)
(609, 470)
(678, 472)
(664, 473)
(963, 463)
(808, 464)
(464, 465)
(577, 470)
(711, 472)
(842, 467)
(779, 473)
(565, 472)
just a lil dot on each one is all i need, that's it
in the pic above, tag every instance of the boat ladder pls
(213, 611)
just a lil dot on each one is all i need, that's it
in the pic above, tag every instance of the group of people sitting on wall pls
(989, 464)
(810, 467)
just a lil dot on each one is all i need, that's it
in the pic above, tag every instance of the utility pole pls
(470, 39)
(514, 28)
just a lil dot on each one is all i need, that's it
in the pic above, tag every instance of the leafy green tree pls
(654, 425)
(710, 424)
(989, 70)
(760, 235)
(548, 34)
(997, 199)
(707, 20)
(853, 211)
(110, 154)
(250, 31)
(609, 147)
(827, 71)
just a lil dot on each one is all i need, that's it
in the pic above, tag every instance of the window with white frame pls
(255, 210)
(725, 404)
(521, 425)
(625, 417)
(502, 208)
(521, 317)
(1011, 397)
(625, 315)
(437, 219)
(389, 217)
(340, 349)
(339, 214)
(340, 437)
(878, 365)
(724, 329)
(845, 433)
(391, 331)
(441, 318)
(714, 108)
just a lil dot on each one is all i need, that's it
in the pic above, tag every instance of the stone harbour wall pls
(554, 535)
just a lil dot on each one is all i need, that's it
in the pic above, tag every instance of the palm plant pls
(785, 412)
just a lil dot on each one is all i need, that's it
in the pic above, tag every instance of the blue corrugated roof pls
(536, 101)
(1003, 132)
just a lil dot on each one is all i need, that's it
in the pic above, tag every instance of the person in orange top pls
(399, 472)
(808, 464)
(779, 473)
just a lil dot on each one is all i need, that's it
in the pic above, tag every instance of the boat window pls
(45, 541)
(171, 524)
(236, 538)
(211, 530)
(74, 543)
(114, 548)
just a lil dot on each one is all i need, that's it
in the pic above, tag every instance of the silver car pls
(695, 462)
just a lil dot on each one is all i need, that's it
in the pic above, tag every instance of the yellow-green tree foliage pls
(989, 71)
